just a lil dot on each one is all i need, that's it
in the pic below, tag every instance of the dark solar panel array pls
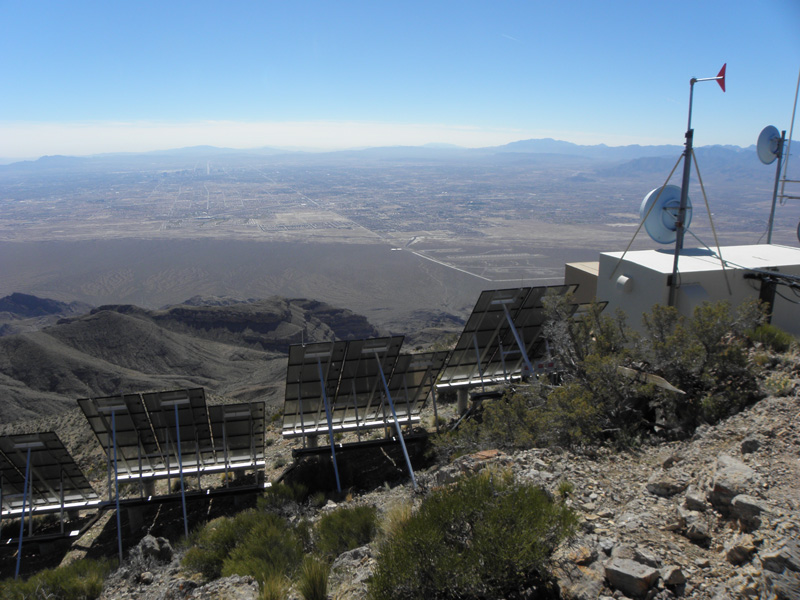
(237, 431)
(412, 381)
(55, 481)
(150, 428)
(488, 350)
(352, 374)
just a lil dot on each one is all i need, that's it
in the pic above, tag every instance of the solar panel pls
(55, 481)
(412, 381)
(347, 386)
(359, 402)
(180, 422)
(312, 370)
(501, 338)
(148, 428)
(238, 432)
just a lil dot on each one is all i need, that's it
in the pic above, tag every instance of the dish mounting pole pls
(680, 230)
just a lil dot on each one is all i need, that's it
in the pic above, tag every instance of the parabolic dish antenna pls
(767, 145)
(660, 211)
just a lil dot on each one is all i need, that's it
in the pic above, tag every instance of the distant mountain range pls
(546, 147)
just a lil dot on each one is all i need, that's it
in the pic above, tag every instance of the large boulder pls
(630, 577)
(731, 478)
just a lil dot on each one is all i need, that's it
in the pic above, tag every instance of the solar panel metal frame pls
(56, 482)
(528, 320)
(412, 380)
(238, 432)
(311, 369)
(359, 402)
(146, 435)
(481, 353)
(196, 451)
(137, 450)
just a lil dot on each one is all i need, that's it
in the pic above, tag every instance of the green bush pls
(771, 337)
(211, 544)
(253, 543)
(313, 581)
(346, 528)
(281, 494)
(275, 587)
(81, 580)
(270, 548)
(484, 537)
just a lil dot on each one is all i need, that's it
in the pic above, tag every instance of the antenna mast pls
(687, 167)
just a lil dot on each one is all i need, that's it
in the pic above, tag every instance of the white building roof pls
(693, 260)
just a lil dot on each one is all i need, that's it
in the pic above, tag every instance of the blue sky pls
(86, 77)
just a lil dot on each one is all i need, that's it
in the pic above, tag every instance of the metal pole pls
(518, 340)
(478, 359)
(679, 228)
(22, 517)
(775, 189)
(396, 422)
(330, 425)
(180, 470)
(225, 444)
(61, 494)
(116, 483)
(687, 169)
(355, 406)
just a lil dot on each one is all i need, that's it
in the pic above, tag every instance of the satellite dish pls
(767, 145)
(661, 215)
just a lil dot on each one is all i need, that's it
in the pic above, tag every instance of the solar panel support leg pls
(478, 360)
(355, 407)
(116, 483)
(435, 410)
(225, 445)
(396, 423)
(520, 345)
(462, 400)
(330, 426)
(180, 470)
(22, 516)
(61, 497)
(503, 360)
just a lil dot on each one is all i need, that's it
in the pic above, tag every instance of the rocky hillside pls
(234, 349)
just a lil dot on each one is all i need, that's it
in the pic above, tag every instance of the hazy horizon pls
(84, 79)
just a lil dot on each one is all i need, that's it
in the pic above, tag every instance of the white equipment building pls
(636, 281)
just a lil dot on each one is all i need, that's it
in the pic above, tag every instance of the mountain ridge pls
(238, 350)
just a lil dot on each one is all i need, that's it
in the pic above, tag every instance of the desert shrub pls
(484, 537)
(771, 337)
(706, 357)
(605, 392)
(346, 528)
(80, 580)
(395, 518)
(281, 494)
(254, 542)
(313, 580)
(210, 544)
(778, 384)
(271, 547)
(317, 499)
(565, 489)
(275, 587)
